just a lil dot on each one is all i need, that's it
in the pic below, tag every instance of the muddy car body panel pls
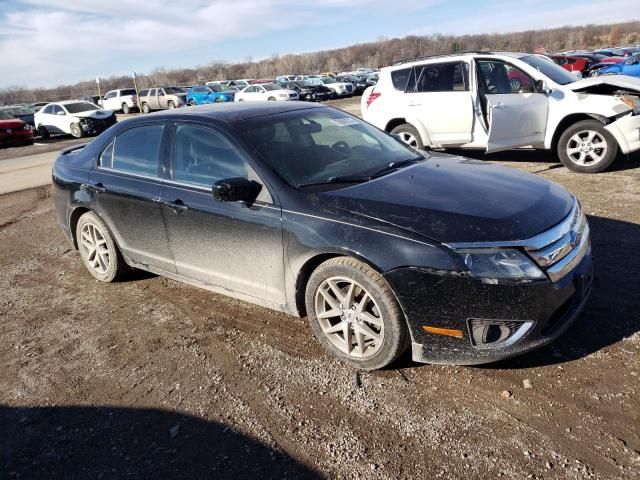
(429, 244)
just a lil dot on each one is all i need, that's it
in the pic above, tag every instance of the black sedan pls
(308, 91)
(311, 211)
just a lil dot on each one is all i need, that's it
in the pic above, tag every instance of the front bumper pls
(626, 131)
(454, 302)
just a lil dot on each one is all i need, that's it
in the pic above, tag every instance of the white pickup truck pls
(124, 100)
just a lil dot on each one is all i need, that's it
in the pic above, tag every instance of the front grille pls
(349, 88)
(560, 249)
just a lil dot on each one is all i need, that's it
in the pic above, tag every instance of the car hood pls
(454, 199)
(624, 82)
(98, 114)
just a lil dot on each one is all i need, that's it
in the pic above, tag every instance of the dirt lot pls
(150, 378)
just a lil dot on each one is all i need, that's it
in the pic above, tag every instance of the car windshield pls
(6, 116)
(80, 107)
(323, 145)
(215, 88)
(271, 87)
(173, 90)
(552, 70)
(130, 91)
(328, 80)
(304, 83)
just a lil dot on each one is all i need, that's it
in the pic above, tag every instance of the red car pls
(14, 131)
(572, 64)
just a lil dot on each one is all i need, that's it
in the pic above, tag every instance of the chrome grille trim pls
(571, 260)
(556, 251)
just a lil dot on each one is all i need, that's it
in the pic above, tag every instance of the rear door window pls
(135, 151)
(440, 77)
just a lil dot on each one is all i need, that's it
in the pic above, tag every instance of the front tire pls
(43, 132)
(98, 250)
(355, 315)
(587, 147)
(76, 130)
(409, 135)
(125, 108)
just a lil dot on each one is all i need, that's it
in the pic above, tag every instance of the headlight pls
(492, 266)
(632, 102)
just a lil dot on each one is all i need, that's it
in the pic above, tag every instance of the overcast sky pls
(51, 42)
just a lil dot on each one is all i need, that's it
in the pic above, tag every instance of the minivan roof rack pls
(438, 55)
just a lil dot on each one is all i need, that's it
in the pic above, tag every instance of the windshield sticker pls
(343, 122)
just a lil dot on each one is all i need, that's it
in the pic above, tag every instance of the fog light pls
(485, 333)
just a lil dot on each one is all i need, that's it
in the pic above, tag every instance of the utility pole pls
(135, 85)
(99, 94)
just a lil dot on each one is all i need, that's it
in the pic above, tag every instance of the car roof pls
(457, 55)
(230, 112)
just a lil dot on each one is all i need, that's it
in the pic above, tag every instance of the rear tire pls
(409, 135)
(192, 103)
(271, 99)
(355, 315)
(98, 250)
(587, 147)
(145, 108)
(171, 104)
(125, 108)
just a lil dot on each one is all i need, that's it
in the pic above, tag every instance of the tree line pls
(384, 51)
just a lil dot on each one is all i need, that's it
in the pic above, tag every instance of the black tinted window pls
(138, 150)
(400, 78)
(144, 93)
(440, 77)
(129, 91)
(202, 157)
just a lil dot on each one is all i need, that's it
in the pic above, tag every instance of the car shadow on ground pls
(116, 443)
(611, 313)
(546, 159)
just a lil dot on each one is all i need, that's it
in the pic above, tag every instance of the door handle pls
(498, 106)
(97, 188)
(178, 206)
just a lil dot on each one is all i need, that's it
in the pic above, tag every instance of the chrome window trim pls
(536, 242)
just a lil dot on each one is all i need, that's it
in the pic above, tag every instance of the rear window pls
(400, 78)
(80, 107)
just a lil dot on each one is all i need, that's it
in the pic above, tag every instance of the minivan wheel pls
(145, 108)
(125, 108)
(409, 135)
(587, 147)
(98, 249)
(76, 130)
(355, 315)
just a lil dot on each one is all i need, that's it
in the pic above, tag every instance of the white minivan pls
(499, 101)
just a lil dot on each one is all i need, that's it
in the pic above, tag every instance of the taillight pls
(372, 96)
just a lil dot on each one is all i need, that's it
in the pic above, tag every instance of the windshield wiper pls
(396, 165)
(330, 180)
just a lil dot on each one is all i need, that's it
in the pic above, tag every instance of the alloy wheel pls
(587, 147)
(94, 248)
(409, 139)
(349, 317)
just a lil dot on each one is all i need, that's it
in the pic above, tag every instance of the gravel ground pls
(150, 378)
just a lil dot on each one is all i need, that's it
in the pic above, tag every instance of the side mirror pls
(541, 87)
(236, 189)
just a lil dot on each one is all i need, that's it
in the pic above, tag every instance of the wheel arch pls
(569, 120)
(310, 265)
(415, 123)
(73, 222)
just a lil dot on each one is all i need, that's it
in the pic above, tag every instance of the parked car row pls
(604, 61)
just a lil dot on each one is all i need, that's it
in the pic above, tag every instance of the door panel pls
(516, 120)
(438, 95)
(226, 244)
